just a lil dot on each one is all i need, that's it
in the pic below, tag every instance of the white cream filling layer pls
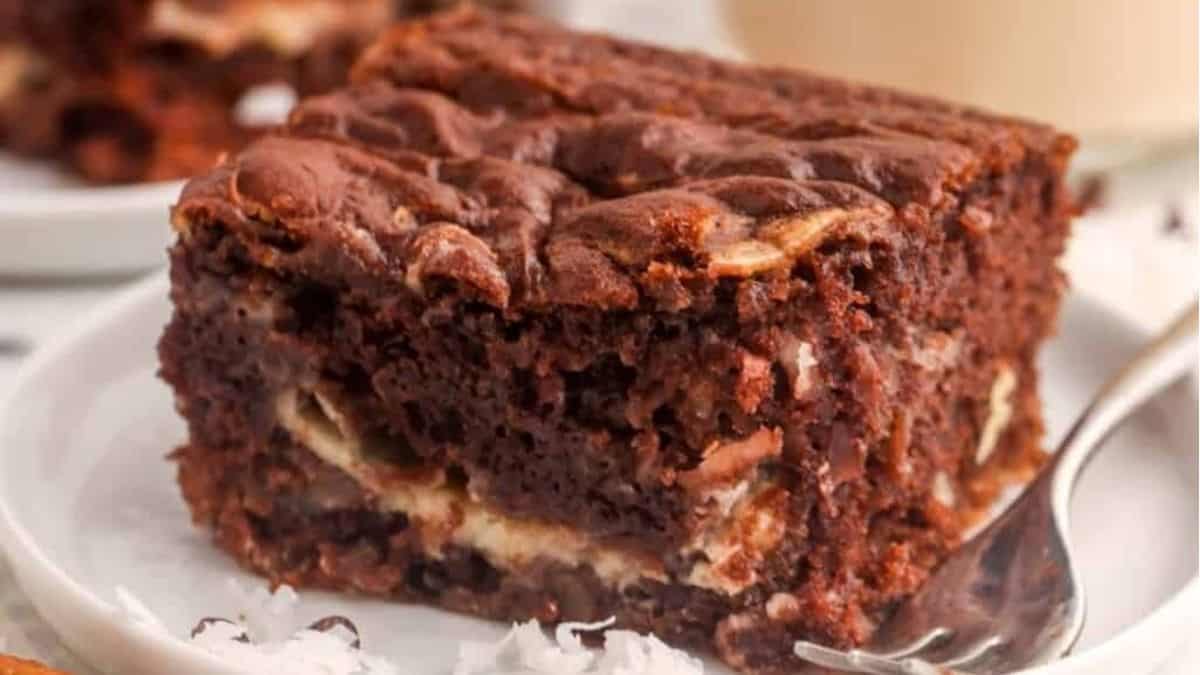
(1000, 412)
(736, 545)
(749, 521)
(288, 27)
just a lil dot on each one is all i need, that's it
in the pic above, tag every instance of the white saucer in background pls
(88, 503)
(52, 226)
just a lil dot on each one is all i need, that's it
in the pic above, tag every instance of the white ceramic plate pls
(51, 225)
(87, 503)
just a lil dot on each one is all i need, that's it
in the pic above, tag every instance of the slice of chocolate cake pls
(529, 323)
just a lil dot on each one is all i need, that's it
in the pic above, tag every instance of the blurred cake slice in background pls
(143, 90)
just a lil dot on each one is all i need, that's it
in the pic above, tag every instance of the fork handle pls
(1167, 358)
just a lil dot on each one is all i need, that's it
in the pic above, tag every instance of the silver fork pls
(1010, 597)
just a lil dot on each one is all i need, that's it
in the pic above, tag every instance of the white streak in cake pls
(750, 522)
(746, 258)
(781, 241)
(736, 545)
(1000, 412)
(798, 360)
(942, 490)
(447, 515)
(729, 460)
(938, 351)
(727, 498)
(783, 607)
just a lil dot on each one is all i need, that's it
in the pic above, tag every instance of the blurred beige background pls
(1104, 69)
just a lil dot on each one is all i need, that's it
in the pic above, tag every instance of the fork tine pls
(933, 637)
(852, 661)
(974, 653)
(862, 662)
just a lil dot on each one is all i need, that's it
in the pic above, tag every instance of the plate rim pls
(15, 534)
(51, 203)
(18, 542)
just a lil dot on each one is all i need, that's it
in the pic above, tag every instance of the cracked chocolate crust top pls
(535, 167)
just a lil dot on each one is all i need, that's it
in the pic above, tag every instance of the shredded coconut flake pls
(526, 650)
(1000, 413)
(250, 644)
(943, 491)
(308, 652)
(627, 653)
(267, 616)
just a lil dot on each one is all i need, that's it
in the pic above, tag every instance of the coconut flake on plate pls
(526, 650)
(315, 650)
(259, 642)
(267, 615)
(307, 652)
